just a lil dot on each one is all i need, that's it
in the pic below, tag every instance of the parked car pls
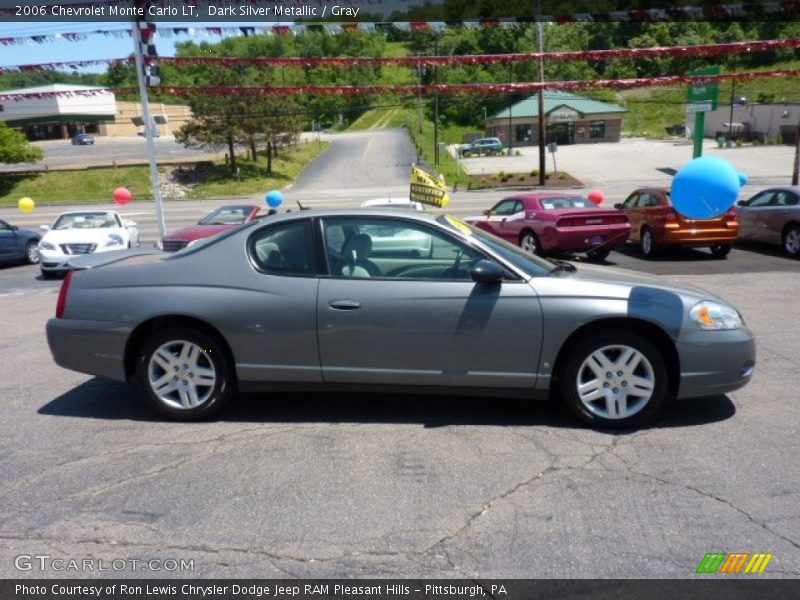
(393, 203)
(82, 139)
(772, 216)
(83, 232)
(18, 244)
(483, 146)
(549, 222)
(655, 224)
(215, 222)
(290, 302)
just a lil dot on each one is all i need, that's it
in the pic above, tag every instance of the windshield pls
(228, 215)
(528, 263)
(566, 202)
(88, 220)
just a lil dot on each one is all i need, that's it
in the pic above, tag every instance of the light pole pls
(796, 170)
(542, 140)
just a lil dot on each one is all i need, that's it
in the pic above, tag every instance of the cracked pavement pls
(293, 485)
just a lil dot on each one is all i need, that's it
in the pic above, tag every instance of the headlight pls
(114, 240)
(46, 246)
(711, 315)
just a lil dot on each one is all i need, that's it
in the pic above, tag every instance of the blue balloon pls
(706, 187)
(274, 199)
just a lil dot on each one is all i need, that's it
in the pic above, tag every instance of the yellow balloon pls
(26, 205)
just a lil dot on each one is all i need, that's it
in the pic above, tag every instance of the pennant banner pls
(705, 50)
(413, 90)
(427, 189)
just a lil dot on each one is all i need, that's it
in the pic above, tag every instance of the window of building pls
(597, 129)
(522, 133)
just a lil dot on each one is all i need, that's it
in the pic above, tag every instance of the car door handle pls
(344, 304)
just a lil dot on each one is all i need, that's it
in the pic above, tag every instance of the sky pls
(94, 46)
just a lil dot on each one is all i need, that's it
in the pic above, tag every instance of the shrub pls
(517, 153)
(562, 175)
(535, 173)
(521, 178)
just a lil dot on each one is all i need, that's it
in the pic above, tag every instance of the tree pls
(15, 148)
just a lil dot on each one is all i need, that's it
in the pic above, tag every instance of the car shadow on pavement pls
(101, 398)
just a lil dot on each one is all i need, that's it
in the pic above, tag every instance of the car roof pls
(542, 196)
(426, 217)
(88, 211)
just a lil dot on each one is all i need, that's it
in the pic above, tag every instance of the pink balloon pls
(596, 196)
(122, 195)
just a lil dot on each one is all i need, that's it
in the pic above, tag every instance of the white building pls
(777, 121)
(57, 116)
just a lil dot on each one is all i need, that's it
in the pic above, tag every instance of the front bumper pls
(56, 260)
(715, 362)
(93, 347)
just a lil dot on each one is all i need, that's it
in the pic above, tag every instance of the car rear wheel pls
(185, 374)
(720, 250)
(791, 241)
(530, 243)
(648, 244)
(32, 252)
(614, 379)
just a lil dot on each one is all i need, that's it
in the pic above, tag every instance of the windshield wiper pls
(562, 265)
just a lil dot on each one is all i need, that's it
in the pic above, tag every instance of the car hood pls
(82, 236)
(610, 282)
(196, 232)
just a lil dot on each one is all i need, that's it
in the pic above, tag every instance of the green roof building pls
(569, 118)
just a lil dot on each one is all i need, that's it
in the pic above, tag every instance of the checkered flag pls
(147, 36)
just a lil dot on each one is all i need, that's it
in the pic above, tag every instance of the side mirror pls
(14, 228)
(487, 271)
(741, 203)
(44, 227)
(130, 223)
(488, 212)
(619, 205)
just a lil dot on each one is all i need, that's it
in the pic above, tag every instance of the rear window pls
(566, 202)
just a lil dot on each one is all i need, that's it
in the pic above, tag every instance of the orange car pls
(656, 224)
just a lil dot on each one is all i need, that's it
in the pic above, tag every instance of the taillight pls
(670, 215)
(61, 303)
(732, 214)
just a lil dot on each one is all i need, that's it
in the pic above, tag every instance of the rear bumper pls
(580, 239)
(93, 347)
(715, 362)
(698, 237)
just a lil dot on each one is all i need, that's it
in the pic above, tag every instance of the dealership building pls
(61, 115)
(569, 118)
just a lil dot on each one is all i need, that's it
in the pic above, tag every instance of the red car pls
(550, 222)
(217, 221)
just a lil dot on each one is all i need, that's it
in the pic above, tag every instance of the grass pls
(96, 185)
(652, 110)
(75, 187)
(253, 178)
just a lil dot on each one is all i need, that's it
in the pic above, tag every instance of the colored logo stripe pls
(711, 562)
(722, 563)
(758, 563)
(734, 562)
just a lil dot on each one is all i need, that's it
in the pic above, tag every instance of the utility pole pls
(733, 91)
(510, 126)
(436, 102)
(148, 128)
(542, 134)
(796, 171)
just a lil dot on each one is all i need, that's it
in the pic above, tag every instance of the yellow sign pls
(428, 189)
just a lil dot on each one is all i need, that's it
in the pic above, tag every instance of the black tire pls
(573, 367)
(790, 237)
(598, 255)
(529, 242)
(648, 246)
(720, 250)
(32, 252)
(49, 274)
(213, 353)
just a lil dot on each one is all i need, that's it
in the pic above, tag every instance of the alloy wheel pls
(791, 242)
(181, 374)
(32, 253)
(529, 243)
(615, 382)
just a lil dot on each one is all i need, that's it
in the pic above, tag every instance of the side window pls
(518, 206)
(792, 199)
(506, 207)
(762, 199)
(394, 249)
(284, 249)
(4, 226)
(630, 201)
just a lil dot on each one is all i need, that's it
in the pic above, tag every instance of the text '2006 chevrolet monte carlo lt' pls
(327, 300)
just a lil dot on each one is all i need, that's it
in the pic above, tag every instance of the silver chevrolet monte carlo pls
(375, 299)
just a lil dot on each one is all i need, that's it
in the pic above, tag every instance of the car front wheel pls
(185, 374)
(791, 241)
(614, 379)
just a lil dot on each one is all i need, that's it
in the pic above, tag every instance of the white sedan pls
(83, 232)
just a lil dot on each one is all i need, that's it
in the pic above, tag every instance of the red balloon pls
(122, 195)
(596, 196)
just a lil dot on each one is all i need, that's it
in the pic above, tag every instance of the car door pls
(772, 219)
(634, 216)
(510, 226)
(649, 209)
(750, 215)
(420, 320)
(7, 241)
(500, 213)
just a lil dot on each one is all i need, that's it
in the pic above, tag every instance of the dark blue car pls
(18, 244)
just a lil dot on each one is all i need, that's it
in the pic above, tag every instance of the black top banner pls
(344, 11)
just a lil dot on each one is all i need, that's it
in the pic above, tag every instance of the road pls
(390, 486)
(60, 154)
